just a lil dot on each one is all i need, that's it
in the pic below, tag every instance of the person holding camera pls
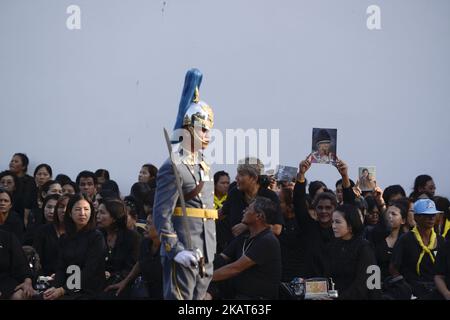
(248, 187)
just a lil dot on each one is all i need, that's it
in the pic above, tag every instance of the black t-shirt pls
(262, 280)
(406, 254)
(235, 205)
(442, 265)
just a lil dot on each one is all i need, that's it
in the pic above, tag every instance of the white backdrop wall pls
(99, 97)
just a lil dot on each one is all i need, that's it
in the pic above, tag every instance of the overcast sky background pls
(99, 97)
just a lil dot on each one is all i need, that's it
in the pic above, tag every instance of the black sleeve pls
(60, 273)
(348, 195)
(358, 288)
(300, 205)
(95, 256)
(132, 253)
(278, 219)
(231, 249)
(441, 266)
(38, 242)
(20, 270)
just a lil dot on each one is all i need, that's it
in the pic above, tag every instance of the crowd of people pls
(268, 232)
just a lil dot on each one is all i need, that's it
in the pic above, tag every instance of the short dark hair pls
(86, 174)
(314, 186)
(352, 217)
(403, 205)
(371, 203)
(219, 174)
(352, 183)
(143, 192)
(111, 185)
(102, 173)
(391, 191)
(45, 187)
(69, 224)
(267, 207)
(419, 182)
(443, 204)
(325, 196)
(73, 184)
(25, 160)
(63, 179)
(13, 175)
(8, 193)
(43, 165)
(151, 169)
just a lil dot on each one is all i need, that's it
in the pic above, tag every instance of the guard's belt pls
(197, 213)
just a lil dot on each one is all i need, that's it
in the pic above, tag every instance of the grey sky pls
(99, 97)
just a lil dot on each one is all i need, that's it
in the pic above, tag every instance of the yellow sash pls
(425, 249)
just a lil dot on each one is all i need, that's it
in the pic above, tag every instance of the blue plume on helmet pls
(192, 80)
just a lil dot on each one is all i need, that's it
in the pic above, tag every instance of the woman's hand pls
(53, 293)
(119, 286)
(27, 288)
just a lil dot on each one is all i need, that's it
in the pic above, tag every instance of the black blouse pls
(14, 267)
(46, 243)
(347, 265)
(85, 249)
(14, 225)
(120, 259)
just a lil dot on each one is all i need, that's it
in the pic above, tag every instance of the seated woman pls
(46, 240)
(415, 252)
(349, 256)
(81, 246)
(122, 243)
(9, 220)
(15, 274)
(148, 265)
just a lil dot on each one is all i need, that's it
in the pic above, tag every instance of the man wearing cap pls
(187, 241)
(323, 153)
(415, 252)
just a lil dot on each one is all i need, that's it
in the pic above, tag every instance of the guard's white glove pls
(186, 258)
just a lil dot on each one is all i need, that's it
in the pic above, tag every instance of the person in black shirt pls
(255, 267)
(46, 239)
(349, 256)
(15, 274)
(10, 182)
(148, 265)
(316, 234)
(415, 252)
(291, 253)
(9, 220)
(246, 190)
(83, 246)
(442, 271)
(122, 244)
(397, 214)
(26, 186)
